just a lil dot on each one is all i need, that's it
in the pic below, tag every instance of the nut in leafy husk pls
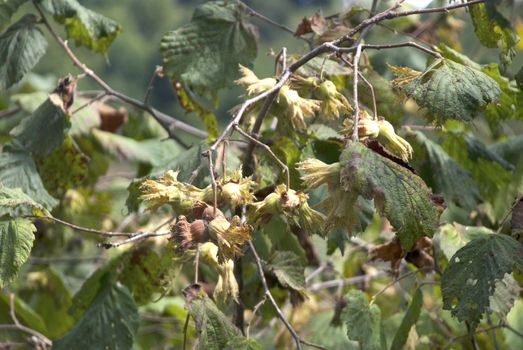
(332, 102)
(233, 189)
(229, 236)
(315, 173)
(227, 286)
(383, 132)
(292, 205)
(297, 107)
(253, 85)
(167, 189)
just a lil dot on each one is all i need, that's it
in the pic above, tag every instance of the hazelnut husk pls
(186, 235)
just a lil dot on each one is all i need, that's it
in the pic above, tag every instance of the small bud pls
(167, 189)
(332, 102)
(292, 205)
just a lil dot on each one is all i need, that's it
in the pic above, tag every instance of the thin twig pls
(254, 310)
(271, 298)
(369, 85)
(157, 71)
(284, 167)
(344, 281)
(84, 229)
(197, 263)
(98, 97)
(396, 280)
(20, 327)
(355, 93)
(185, 327)
(213, 181)
(280, 314)
(137, 237)
(507, 214)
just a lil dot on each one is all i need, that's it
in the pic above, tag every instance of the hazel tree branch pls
(280, 314)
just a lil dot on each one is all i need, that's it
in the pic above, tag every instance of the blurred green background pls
(135, 53)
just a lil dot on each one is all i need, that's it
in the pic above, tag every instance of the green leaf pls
(470, 278)
(65, 168)
(14, 202)
(86, 27)
(510, 102)
(21, 47)
(7, 10)
(242, 343)
(189, 102)
(205, 53)
(25, 314)
(399, 195)
(214, 328)
(50, 298)
(288, 269)
(488, 170)
(452, 237)
(110, 322)
(185, 163)
(494, 30)
(409, 320)
(143, 271)
(446, 175)
(449, 89)
(515, 320)
(43, 130)
(509, 149)
(16, 240)
(151, 151)
(85, 296)
(363, 321)
(17, 169)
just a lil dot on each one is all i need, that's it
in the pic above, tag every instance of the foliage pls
(212, 208)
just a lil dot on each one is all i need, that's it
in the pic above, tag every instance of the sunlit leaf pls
(470, 278)
(204, 54)
(494, 30)
(21, 47)
(515, 320)
(449, 89)
(86, 27)
(16, 240)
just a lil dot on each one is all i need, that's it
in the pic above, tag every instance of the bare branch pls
(280, 314)
(136, 237)
(167, 122)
